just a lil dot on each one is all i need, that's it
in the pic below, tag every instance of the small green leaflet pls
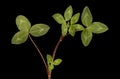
(86, 17)
(64, 29)
(23, 23)
(19, 37)
(72, 30)
(58, 18)
(38, 30)
(78, 27)
(86, 37)
(49, 58)
(50, 62)
(75, 18)
(57, 62)
(68, 13)
(98, 27)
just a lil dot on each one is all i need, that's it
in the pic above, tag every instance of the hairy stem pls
(38, 52)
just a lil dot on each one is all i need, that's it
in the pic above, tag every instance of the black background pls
(98, 60)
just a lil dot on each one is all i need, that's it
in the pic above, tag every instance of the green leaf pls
(57, 62)
(72, 31)
(68, 13)
(78, 27)
(49, 58)
(75, 18)
(51, 67)
(86, 17)
(39, 30)
(58, 18)
(64, 28)
(98, 27)
(23, 23)
(50, 62)
(20, 37)
(86, 37)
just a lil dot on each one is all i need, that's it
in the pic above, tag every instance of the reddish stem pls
(54, 53)
(39, 52)
(57, 45)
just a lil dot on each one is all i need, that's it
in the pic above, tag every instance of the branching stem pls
(54, 53)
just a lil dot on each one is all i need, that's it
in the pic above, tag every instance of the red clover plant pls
(69, 26)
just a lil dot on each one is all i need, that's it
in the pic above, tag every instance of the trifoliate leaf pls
(23, 23)
(64, 29)
(58, 18)
(57, 62)
(72, 31)
(75, 18)
(68, 13)
(20, 37)
(98, 27)
(39, 30)
(86, 17)
(86, 37)
(78, 27)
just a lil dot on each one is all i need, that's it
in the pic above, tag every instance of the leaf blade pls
(59, 18)
(75, 18)
(23, 23)
(72, 31)
(86, 17)
(98, 27)
(57, 61)
(20, 37)
(86, 37)
(68, 13)
(64, 29)
(38, 30)
(50, 62)
(78, 27)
